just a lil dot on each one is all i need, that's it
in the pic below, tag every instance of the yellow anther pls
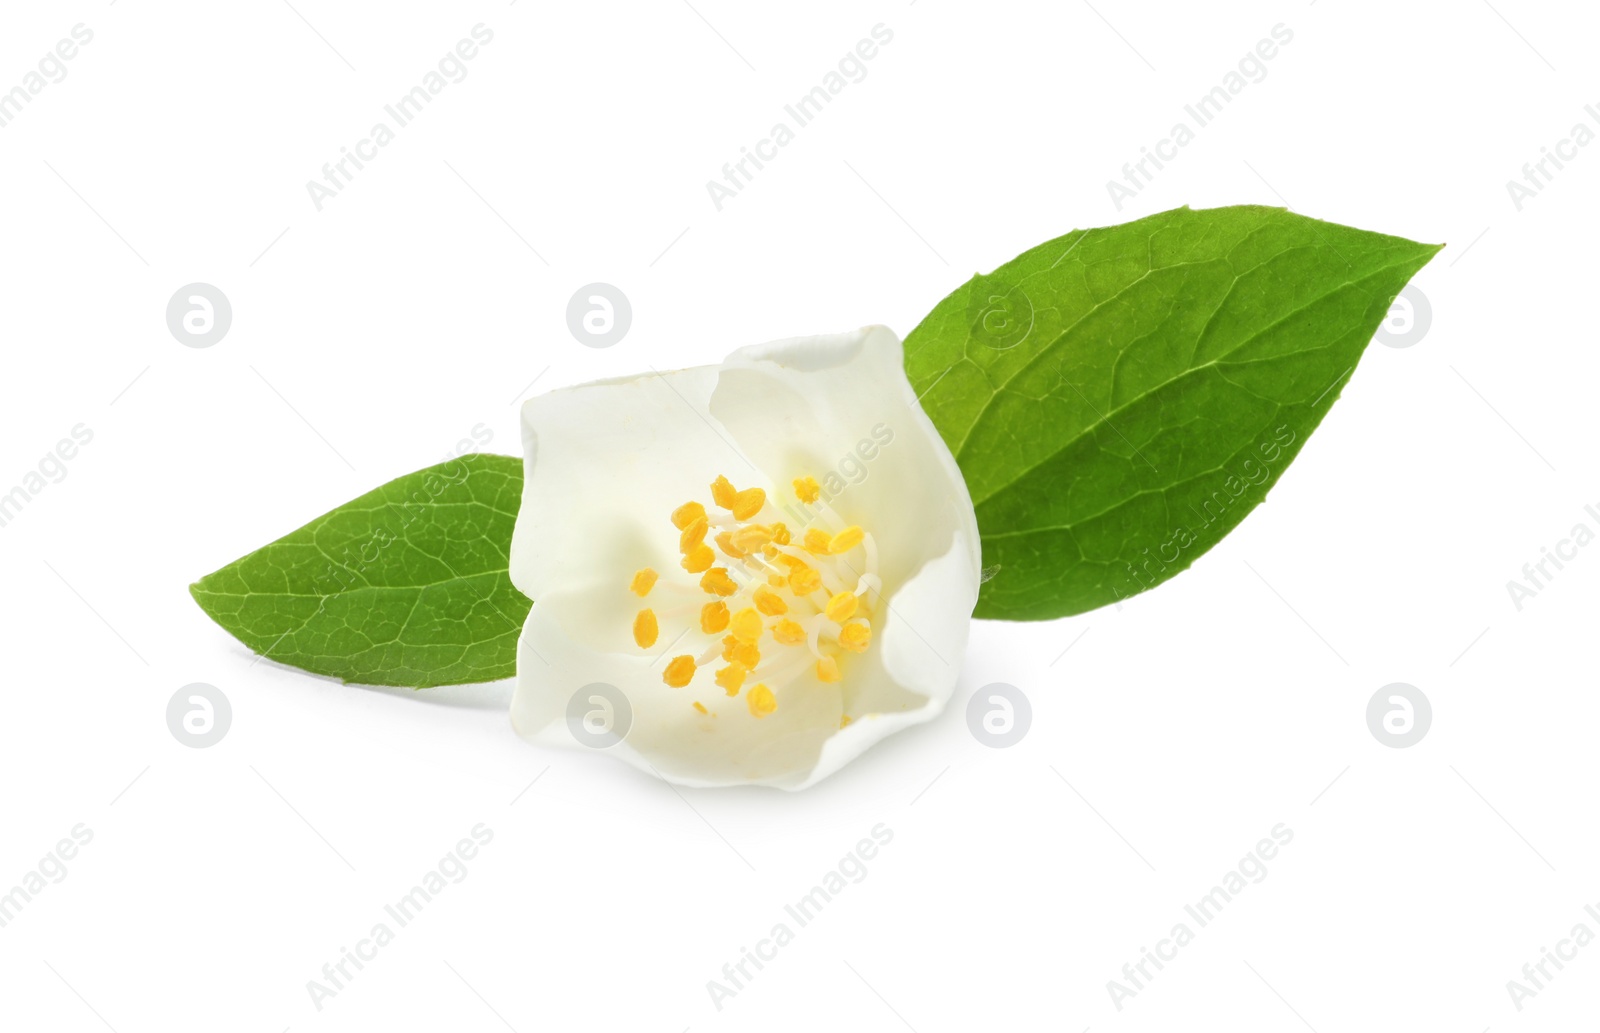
(803, 580)
(687, 514)
(780, 534)
(713, 617)
(769, 602)
(761, 701)
(828, 669)
(791, 561)
(723, 492)
(777, 580)
(698, 559)
(717, 582)
(702, 707)
(855, 636)
(817, 541)
(693, 534)
(842, 607)
(748, 503)
(731, 678)
(807, 490)
(680, 671)
(751, 537)
(645, 628)
(726, 543)
(747, 625)
(846, 540)
(644, 579)
(788, 633)
(844, 720)
(744, 654)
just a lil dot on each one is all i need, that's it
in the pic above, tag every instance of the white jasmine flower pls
(773, 561)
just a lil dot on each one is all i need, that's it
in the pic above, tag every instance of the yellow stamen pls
(713, 617)
(680, 671)
(748, 503)
(644, 579)
(744, 654)
(855, 636)
(751, 537)
(804, 581)
(699, 559)
(645, 629)
(717, 582)
(788, 633)
(741, 609)
(761, 701)
(844, 720)
(694, 534)
(846, 540)
(769, 602)
(747, 625)
(842, 607)
(807, 490)
(731, 678)
(687, 514)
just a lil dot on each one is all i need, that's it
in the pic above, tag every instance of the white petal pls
(920, 649)
(606, 464)
(812, 406)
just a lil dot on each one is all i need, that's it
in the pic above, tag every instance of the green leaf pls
(406, 585)
(1120, 398)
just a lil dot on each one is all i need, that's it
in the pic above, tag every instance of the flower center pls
(780, 611)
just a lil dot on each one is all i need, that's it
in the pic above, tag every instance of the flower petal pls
(608, 463)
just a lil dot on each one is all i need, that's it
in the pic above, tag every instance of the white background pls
(372, 336)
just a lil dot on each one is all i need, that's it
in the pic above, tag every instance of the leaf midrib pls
(983, 411)
(1089, 428)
